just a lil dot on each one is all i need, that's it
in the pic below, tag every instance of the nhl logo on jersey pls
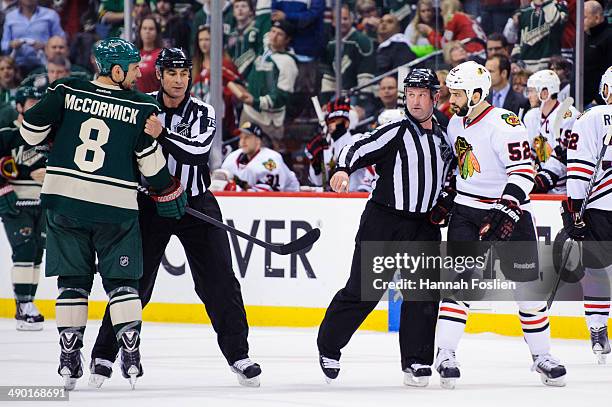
(511, 119)
(124, 261)
(25, 231)
(270, 164)
(468, 163)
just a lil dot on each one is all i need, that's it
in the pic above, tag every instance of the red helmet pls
(338, 108)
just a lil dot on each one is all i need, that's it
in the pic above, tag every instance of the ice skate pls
(600, 344)
(330, 367)
(247, 371)
(71, 360)
(100, 369)
(551, 371)
(131, 368)
(417, 375)
(28, 317)
(448, 368)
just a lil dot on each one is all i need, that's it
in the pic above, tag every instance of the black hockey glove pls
(499, 223)
(574, 227)
(543, 183)
(8, 201)
(440, 213)
(172, 201)
(314, 152)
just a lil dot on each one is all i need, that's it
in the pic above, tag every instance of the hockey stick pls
(606, 141)
(295, 246)
(556, 126)
(321, 118)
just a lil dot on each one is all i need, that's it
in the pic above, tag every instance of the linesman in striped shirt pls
(185, 129)
(411, 159)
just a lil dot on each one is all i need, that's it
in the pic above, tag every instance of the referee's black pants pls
(347, 311)
(208, 253)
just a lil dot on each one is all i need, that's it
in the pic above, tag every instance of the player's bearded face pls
(459, 102)
(131, 76)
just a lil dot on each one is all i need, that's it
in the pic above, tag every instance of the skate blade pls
(69, 382)
(557, 382)
(29, 326)
(413, 381)
(245, 381)
(96, 380)
(601, 358)
(329, 380)
(448, 382)
(132, 379)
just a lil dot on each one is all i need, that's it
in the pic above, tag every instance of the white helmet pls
(470, 76)
(390, 115)
(545, 79)
(606, 81)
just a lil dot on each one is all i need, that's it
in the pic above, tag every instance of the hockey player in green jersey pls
(21, 174)
(99, 150)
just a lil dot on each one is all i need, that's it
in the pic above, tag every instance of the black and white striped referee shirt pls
(186, 141)
(411, 164)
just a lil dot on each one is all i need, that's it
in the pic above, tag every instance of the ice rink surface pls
(184, 367)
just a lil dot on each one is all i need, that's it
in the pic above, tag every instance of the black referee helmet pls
(422, 78)
(173, 58)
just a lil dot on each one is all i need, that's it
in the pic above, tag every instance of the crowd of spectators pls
(279, 53)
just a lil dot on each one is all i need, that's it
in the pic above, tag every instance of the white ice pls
(183, 366)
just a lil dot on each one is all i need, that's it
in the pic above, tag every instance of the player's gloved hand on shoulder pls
(440, 213)
(574, 227)
(499, 223)
(314, 152)
(8, 200)
(172, 201)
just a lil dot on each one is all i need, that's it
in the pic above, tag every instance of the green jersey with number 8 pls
(99, 148)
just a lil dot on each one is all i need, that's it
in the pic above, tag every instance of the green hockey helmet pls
(115, 51)
(28, 92)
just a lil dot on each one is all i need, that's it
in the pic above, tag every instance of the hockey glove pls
(543, 183)
(574, 227)
(314, 152)
(172, 201)
(8, 201)
(440, 213)
(499, 223)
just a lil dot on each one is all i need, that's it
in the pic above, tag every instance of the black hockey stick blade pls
(295, 246)
(300, 244)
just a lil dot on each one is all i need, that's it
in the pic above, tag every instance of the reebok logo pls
(130, 340)
(68, 341)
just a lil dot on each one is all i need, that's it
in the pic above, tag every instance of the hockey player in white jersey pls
(495, 177)
(584, 148)
(549, 149)
(323, 150)
(257, 168)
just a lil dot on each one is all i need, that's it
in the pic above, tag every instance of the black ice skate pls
(28, 317)
(551, 371)
(417, 375)
(600, 343)
(247, 371)
(71, 364)
(130, 357)
(448, 367)
(100, 369)
(330, 367)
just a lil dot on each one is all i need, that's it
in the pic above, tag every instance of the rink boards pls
(294, 290)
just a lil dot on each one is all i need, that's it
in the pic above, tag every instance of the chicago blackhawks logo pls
(567, 114)
(270, 164)
(542, 148)
(468, 163)
(511, 119)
